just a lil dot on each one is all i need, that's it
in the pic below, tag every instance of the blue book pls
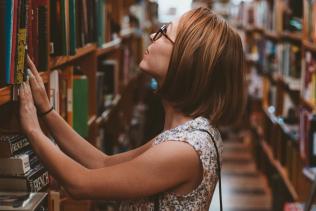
(8, 27)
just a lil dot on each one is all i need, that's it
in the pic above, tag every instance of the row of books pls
(275, 15)
(72, 24)
(279, 59)
(69, 96)
(20, 168)
(24, 27)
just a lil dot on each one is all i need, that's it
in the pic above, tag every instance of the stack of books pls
(20, 168)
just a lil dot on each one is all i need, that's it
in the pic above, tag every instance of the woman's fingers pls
(32, 78)
(32, 67)
(22, 93)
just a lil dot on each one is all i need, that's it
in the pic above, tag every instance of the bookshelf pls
(76, 45)
(280, 51)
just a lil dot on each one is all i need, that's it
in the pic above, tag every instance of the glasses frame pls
(162, 31)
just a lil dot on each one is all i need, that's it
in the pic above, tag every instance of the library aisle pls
(244, 187)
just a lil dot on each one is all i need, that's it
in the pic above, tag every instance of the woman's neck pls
(172, 117)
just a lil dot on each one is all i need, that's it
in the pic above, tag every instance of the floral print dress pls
(200, 197)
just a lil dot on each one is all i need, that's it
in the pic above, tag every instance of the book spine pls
(22, 32)
(15, 165)
(39, 183)
(42, 38)
(16, 12)
(18, 145)
(8, 30)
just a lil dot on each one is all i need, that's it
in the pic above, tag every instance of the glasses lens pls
(157, 35)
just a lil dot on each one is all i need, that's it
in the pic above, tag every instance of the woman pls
(198, 63)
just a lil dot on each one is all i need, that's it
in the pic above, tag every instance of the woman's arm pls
(82, 151)
(69, 140)
(159, 168)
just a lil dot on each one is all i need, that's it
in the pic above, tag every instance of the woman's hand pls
(28, 115)
(38, 89)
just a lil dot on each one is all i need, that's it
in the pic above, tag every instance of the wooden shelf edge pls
(266, 148)
(308, 104)
(80, 52)
(108, 47)
(126, 33)
(253, 28)
(310, 173)
(296, 36)
(91, 120)
(5, 95)
(272, 35)
(309, 45)
(6, 92)
(107, 113)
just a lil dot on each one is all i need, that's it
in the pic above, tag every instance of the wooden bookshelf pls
(309, 45)
(5, 95)
(6, 92)
(109, 47)
(295, 36)
(272, 35)
(308, 104)
(281, 170)
(59, 61)
(310, 173)
(253, 28)
(126, 33)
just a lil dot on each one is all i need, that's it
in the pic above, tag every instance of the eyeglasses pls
(160, 32)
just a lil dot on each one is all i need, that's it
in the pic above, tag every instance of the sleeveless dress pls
(200, 197)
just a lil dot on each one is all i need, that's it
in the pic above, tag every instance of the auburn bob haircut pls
(206, 75)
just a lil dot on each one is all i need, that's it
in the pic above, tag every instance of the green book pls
(80, 105)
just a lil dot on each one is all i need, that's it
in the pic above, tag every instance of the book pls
(54, 90)
(110, 68)
(23, 201)
(18, 164)
(80, 105)
(34, 180)
(12, 144)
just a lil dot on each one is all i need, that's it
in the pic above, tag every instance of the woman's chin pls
(144, 67)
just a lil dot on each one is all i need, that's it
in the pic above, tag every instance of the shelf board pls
(308, 104)
(92, 120)
(126, 33)
(272, 35)
(109, 46)
(252, 28)
(106, 114)
(309, 45)
(80, 52)
(310, 173)
(282, 171)
(296, 36)
(5, 95)
(6, 92)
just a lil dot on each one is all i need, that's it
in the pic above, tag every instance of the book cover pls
(8, 27)
(18, 164)
(12, 144)
(34, 180)
(80, 105)
(42, 37)
(21, 43)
